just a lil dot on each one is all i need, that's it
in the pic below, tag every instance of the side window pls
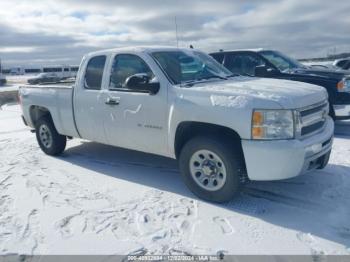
(125, 65)
(347, 65)
(218, 57)
(94, 73)
(342, 63)
(243, 64)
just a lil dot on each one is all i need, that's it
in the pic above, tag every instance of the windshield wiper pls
(200, 80)
(234, 75)
(189, 82)
(213, 76)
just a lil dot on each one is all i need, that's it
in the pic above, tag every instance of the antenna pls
(177, 38)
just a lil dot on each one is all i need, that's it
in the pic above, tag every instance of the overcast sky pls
(44, 32)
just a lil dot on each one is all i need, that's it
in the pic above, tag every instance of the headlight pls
(344, 85)
(272, 124)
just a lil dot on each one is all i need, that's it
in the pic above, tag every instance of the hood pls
(327, 73)
(286, 94)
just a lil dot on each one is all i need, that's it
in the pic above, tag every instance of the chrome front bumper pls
(342, 110)
(282, 159)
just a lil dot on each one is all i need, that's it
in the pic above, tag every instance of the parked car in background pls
(342, 63)
(182, 104)
(273, 64)
(2, 77)
(44, 78)
(321, 65)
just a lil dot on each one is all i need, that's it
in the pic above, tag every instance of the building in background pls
(17, 70)
(62, 71)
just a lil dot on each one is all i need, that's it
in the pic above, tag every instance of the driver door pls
(133, 118)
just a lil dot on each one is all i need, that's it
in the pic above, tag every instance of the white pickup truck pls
(224, 129)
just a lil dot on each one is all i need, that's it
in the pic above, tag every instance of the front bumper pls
(342, 111)
(341, 105)
(282, 159)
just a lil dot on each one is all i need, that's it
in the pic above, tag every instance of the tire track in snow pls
(282, 199)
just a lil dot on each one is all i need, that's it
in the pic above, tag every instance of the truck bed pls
(61, 84)
(57, 98)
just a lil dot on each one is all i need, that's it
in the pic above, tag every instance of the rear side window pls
(347, 66)
(341, 63)
(218, 57)
(94, 72)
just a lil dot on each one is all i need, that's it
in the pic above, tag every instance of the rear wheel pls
(212, 169)
(48, 138)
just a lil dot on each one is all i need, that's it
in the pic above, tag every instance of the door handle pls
(113, 101)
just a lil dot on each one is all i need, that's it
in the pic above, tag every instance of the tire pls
(48, 139)
(228, 184)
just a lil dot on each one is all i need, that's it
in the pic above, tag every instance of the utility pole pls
(177, 38)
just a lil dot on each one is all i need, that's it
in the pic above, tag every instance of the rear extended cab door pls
(87, 101)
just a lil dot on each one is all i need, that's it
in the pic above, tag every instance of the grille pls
(325, 143)
(312, 119)
(311, 128)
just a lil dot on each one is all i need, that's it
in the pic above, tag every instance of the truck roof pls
(242, 50)
(138, 49)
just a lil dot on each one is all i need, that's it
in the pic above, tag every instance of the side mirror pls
(141, 82)
(263, 71)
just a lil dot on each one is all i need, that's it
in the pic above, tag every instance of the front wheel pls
(49, 140)
(211, 169)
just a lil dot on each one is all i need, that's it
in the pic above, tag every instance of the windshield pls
(282, 62)
(189, 66)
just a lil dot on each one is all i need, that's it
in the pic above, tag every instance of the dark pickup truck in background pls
(273, 64)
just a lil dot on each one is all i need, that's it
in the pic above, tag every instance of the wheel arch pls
(37, 112)
(189, 129)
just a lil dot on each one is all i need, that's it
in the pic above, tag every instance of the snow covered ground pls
(8, 88)
(19, 79)
(97, 199)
